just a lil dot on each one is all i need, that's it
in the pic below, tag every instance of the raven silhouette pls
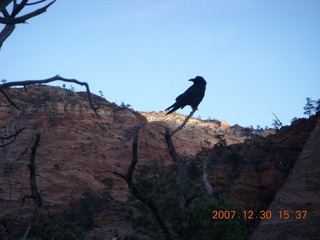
(192, 96)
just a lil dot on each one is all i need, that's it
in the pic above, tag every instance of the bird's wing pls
(190, 92)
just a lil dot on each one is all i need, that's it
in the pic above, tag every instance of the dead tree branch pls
(165, 225)
(9, 99)
(55, 78)
(205, 176)
(184, 122)
(35, 195)
(182, 177)
(184, 202)
(12, 138)
(11, 19)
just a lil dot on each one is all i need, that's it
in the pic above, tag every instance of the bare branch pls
(27, 232)
(278, 120)
(4, 4)
(55, 78)
(6, 32)
(205, 177)
(17, 8)
(165, 225)
(184, 122)
(9, 99)
(118, 174)
(34, 3)
(13, 137)
(5, 13)
(134, 160)
(33, 184)
(24, 18)
(182, 174)
(10, 20)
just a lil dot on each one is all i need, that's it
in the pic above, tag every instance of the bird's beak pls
(192, 79)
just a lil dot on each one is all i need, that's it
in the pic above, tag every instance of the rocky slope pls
(196, 130)
(252, 173)
(299, 197)
(79, 148)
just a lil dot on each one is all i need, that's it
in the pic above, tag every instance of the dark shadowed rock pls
(300, 192)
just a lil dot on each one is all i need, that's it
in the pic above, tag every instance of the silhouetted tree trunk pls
(182, 164)
(184, 202)
(35, 195)
(205, 176)
(165, 225)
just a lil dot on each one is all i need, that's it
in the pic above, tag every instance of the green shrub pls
(54, 227)
(160, 183)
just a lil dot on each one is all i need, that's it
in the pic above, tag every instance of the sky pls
(257, 56)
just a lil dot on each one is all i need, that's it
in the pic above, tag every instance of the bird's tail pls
(174, 108)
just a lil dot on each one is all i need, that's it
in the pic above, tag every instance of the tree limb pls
(4, 4)
(35, 195)
(205, 177)
(17, 8)
(182, 173)
(13, 137)
(55, 78)
(6, 32)
(10, 20)
(9, 99)
(34, 3)
(134, 160)
(165, 225)
(16, 20)
(184, 122)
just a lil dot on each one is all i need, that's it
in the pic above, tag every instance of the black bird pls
(192, 96)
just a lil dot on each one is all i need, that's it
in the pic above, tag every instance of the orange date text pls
(263, 214)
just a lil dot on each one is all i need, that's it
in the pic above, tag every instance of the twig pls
(278, 120)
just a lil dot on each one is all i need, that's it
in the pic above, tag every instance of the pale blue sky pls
(257, 56)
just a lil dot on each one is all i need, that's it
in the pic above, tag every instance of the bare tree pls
(184, 201)
(166, 226)
(35, 195)
(10, 19)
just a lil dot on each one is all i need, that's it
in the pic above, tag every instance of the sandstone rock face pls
(196, 131)
(224, 124)
(78, 149)
(252, 172)
(300, 192)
